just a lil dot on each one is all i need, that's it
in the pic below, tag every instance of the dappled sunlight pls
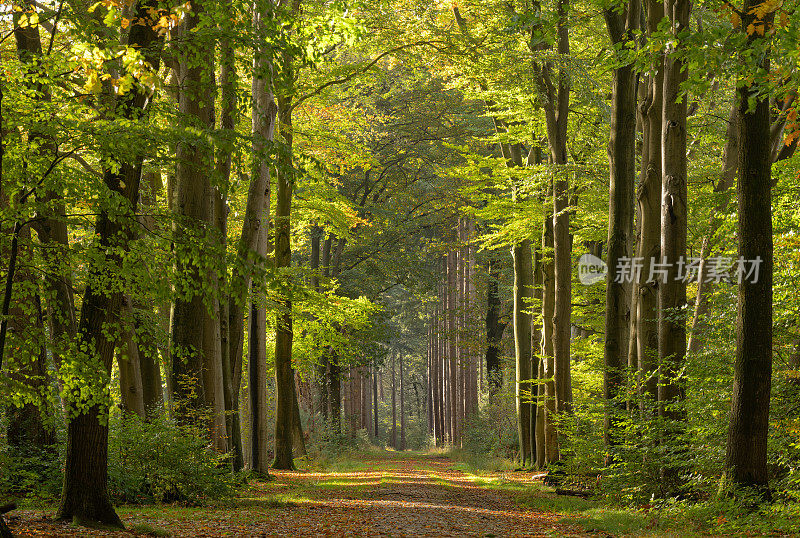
(405, 496)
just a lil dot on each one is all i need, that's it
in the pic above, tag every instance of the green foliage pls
(492, 433)
(159, 462)
(30, 473)
(332, 442)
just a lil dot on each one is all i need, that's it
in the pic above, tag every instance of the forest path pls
(386, 495)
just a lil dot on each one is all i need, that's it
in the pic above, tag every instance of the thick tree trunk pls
(562, 309)
(552, 453)
(190, 351)
(84, 497)
(622, 164)
(746, 455)
(228, 84)
(672, 288)
(284, 380)
(258, 376)
(649, 201)
(523, 295)
(129, 364)
(254, 240)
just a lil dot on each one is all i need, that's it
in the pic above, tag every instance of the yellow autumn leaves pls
(759, 26)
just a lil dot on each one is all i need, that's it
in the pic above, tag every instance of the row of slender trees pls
(453, 363)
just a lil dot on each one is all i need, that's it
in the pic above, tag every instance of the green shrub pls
(332, 442)
(159, 462)
(30, 473)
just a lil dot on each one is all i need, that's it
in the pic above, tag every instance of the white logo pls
(591, 269)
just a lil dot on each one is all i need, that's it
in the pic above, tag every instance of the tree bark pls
(622, 164)
(402, 408)
(649, 202)
(746, 454)
(228, 106)
(252, 251)
(375, 398)
(394, 406)
(129, 364)
(672, 289)
(258, 377)
(284, 380)
(452, 280)
(523, 295)
(552, 453)
(189, 345)
(84, 496)
(298, 439)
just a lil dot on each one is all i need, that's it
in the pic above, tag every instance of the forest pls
(381, 267)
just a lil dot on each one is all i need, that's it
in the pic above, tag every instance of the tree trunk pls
(394, 408)
(258, 377)
(523, 294)
(746, 455)
(622, 164)
(649, 201)
(473, 364)
(284, 380)
(84, 496)
(27, 365)
(51, 227)
(672, 288)
(228, 106)
(537, 370)
(548, 300)
(562, 309)
(128, 362)
(254, 239)
(298, 439)
(190, 353)
(452, 340)
(402, 408)
(375, 398)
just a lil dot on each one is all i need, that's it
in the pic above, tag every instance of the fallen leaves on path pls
(420, 496)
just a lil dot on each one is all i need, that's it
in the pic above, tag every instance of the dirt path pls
(422, 496)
